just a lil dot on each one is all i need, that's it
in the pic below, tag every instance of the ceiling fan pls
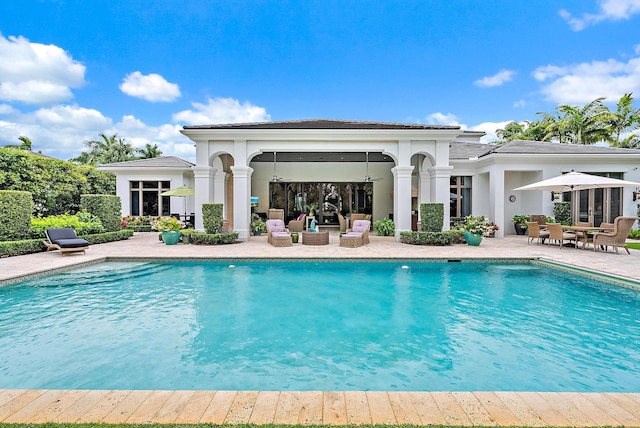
(367, 177)
(275, 175)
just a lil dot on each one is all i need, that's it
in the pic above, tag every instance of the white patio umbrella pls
(183, 192)
(577, 181)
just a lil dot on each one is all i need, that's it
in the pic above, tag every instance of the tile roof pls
(541, 147)
(322, 124)
(464, 150)
(159, 162)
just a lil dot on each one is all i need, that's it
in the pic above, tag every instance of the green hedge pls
(448, 237)
(562, 212)
(212, 218)
(432, 217)
(107, 207)
(17, 248)
(140, 228)
(15, 214)
(200, 238)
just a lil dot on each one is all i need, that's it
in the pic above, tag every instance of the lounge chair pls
(358, 234)
(277, 234)
(557, 234)
(65, 240)
(536, 232)
(616, 238)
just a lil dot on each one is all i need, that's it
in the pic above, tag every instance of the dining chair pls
(535, 231)
(556, 234)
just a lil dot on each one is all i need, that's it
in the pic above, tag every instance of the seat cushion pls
(71, 243)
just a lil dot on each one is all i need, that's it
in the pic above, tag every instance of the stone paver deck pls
(323, 407)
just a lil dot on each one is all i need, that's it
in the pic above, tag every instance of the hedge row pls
(28, 246)
(213, 238)
(15, 214)
(448, 237)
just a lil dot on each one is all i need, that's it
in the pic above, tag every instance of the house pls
(377, 168)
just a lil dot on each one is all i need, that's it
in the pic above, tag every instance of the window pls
(460, 196)
(146, 199)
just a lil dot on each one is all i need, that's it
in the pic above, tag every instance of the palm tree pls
(625, 119)
(26, 143)
(575, 125)
(150, 151)
(106, 150)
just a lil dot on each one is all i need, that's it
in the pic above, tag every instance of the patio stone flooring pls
(323, 407)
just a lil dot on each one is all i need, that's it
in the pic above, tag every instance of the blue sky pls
(72, 69)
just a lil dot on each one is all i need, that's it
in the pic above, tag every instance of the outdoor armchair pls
(557, 234)
(616, 238)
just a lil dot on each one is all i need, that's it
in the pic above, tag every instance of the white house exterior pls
(385, 169)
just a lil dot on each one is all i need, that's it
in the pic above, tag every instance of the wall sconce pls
(555, 195)
(635, 194)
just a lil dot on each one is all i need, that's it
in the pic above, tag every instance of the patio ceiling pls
(322, 157)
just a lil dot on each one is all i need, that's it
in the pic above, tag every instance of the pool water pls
(244, 325)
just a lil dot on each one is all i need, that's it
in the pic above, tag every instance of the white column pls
(203, 176)
(496, 200)
(402, 198)
(440, 183)
(242, 200)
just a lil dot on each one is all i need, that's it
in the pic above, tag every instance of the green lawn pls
(634, 245)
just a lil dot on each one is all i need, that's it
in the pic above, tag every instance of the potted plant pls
(520, 223)
(257, 226)
(474, 229)
(169, 228)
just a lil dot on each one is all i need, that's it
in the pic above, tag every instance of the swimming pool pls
(249, 325)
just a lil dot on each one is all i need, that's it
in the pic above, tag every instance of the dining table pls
(585, 230)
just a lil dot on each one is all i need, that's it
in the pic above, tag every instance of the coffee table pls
(315, 238)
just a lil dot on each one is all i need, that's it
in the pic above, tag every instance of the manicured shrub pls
(212, 218)
(432, 217)
(15, 214)
(562, 212)
(448, 237)
(200, 238)
(106, 207)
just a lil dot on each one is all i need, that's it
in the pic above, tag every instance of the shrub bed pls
(448, 237)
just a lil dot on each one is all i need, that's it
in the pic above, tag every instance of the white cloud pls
(151, 87)
(490, 129)
(444, 119)
(498, 79)
(6, 109)
(519, 104)
(59, 131)
(166, 136)
(222, 110)
(34, 73)
(608, 10)
(584, 82)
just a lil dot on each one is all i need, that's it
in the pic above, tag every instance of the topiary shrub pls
(15, 214)
(212, 218)
(432, 217)
(106, 207)
(562, 212)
